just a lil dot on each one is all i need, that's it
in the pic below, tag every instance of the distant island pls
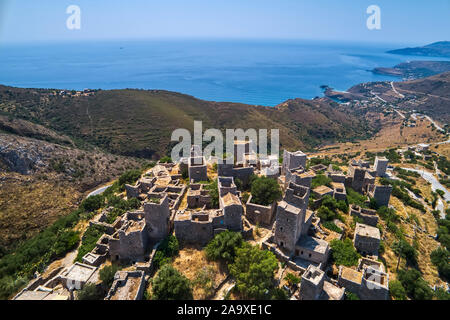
(436, 49)
(415, 69)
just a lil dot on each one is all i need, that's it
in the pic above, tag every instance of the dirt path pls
(223, 289)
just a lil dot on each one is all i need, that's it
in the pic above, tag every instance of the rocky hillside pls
(41, 181)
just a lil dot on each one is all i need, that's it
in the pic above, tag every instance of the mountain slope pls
(41, 181)
(436, 49)
(140, 122)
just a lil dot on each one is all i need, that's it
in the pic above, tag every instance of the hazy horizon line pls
(204, 38)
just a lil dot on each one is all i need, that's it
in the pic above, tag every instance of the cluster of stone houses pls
(297, 242)
(168, 205)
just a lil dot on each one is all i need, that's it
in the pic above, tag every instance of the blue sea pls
(248, 71)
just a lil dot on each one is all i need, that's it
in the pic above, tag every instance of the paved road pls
(98, 191)
(395, 90)
(435, 184)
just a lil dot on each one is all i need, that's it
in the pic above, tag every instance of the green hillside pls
(140, 122)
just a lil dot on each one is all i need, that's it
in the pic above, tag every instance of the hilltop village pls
(319, 225)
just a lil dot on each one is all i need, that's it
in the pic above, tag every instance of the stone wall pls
(196, 232)
(157, 218)
(381, 193)
(258, 214)
(368, 216)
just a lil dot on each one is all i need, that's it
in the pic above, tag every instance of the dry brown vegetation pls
(392, 135)
(191, 261)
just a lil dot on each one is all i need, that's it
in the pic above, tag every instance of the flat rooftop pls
(312, 244)
(351, 275)
(286, 206)
(322, 190)
(32, 295)
(338, 185)
(79, 272)
(367, 231)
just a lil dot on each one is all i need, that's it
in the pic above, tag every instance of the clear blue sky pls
(402, 21)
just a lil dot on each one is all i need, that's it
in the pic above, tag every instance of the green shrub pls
(265, 191)
(405, 250)
(292, 279)
(107, 275)
(213, 189)
(254, 271)
(332, 226)
(343, 253)
(416, 287)
(320, 180)
(165, 159)
(224, 246)
(128, 177)
(169, 284)
(89, 240)
(351, 296)
(167, 249)
(93, 203)
(354, 197)
(388, 214)
(396, 290)
(90, 292)
(440, 258)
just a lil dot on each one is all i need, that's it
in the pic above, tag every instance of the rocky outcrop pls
(18, 157)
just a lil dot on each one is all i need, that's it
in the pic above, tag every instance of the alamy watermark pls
(73, 22)
(374, 20)
(236, 144)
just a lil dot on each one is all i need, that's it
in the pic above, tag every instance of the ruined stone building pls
(368, 216)
(293, 221)
(380, 166)
(314, 286)
(127, 285)
(197, 169)
(232, 211)
(243, 148)
(200, 226)
(131, 240)
(369, 281)
(198, 197)
(299, 176)
(381, 193)
(236, 171)
(292, 160)
(367, 239)
(361, 177)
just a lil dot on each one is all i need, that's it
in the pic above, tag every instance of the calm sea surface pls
(254, 72)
